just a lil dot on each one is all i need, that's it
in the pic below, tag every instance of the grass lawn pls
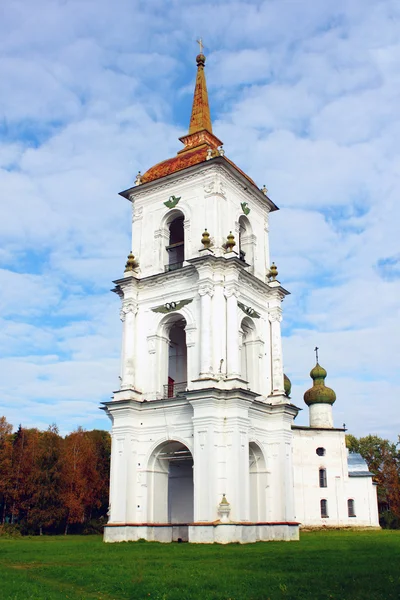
(343, 565)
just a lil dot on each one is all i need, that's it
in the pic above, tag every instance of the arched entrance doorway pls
(258, 484)
(170, 487)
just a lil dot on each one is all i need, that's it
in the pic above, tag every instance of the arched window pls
(321, 451)
(177, 360)
(351, 507)
(322, 478)
(246, 241)
(176, 246)
(324, 508)
(249, 350)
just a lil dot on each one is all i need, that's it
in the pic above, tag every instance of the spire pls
(200, 128)
(200, 118)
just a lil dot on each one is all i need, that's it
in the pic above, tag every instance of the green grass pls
(340, 565)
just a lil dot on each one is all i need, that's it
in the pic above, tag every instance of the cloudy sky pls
(305, 96)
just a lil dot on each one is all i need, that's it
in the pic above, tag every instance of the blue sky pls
(305, 96)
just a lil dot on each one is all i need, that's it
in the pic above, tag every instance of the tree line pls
(53, 484)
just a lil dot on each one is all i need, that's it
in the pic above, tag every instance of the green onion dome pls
(287, 385)
(319, 393)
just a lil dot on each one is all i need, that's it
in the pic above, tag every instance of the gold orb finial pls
(273, 272)
(230, 242)
(205, 240)
(131, 263)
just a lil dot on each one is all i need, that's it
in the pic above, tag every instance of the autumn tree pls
(81, 480)
(6, 449)
(48, 482)
(47, 509)
(24, 454)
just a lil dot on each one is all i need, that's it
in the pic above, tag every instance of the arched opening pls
(177, 358)
(246, 241)
(176, 243)
(249, 353)
(322, 478)
(170, 486)
(351, 507)
(258, 484)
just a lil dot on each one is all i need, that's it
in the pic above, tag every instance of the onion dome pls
(319, 393)
(287, 385)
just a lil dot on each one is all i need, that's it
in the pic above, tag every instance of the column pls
(275, 318)
(128, 318)
(232, 333)
(219, 329)
(206, 293)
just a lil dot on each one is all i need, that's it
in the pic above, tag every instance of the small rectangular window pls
(351, 508)
(324, 509)
(322, 478)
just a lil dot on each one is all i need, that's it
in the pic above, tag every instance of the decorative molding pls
(172, 201)
(206, 289)
(248, 310)
(231, 291)
(208, 169)
(245, 208)
(137, 213)
(171, 306)
(128, 306)
(190, 331)
(275, 314)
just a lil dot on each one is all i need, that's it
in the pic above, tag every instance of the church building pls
(204, 442)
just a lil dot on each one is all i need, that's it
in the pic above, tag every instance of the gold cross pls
(200, 43)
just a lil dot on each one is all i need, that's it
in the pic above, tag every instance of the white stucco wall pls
(340, 487)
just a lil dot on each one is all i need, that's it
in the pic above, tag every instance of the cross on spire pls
(316, 352)
(201, 45)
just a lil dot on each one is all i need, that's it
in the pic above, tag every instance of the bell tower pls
(201, 424)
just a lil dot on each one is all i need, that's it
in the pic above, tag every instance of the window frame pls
(351, 509)
(323, 477)
(323, 504)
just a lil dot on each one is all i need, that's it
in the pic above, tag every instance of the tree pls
(24, 453)
(47, 509)
(6, 450)
(81, 480)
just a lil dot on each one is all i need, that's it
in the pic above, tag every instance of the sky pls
(305, 96)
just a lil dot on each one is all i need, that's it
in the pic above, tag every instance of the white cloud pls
(305, 96)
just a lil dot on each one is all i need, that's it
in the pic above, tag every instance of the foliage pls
(325, 565)
(383, 459)
(49, 483)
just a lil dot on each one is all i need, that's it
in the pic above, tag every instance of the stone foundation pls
(204, 533)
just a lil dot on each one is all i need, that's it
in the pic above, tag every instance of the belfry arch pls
(170, 486)
(246, 241)
(173, 358)
(249, 350)
(173, 228)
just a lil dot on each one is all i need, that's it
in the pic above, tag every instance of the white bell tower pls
(201, 425)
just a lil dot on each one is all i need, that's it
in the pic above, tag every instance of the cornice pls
(219, 163)
(261, 286)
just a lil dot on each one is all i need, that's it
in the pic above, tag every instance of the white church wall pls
(339, 487)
